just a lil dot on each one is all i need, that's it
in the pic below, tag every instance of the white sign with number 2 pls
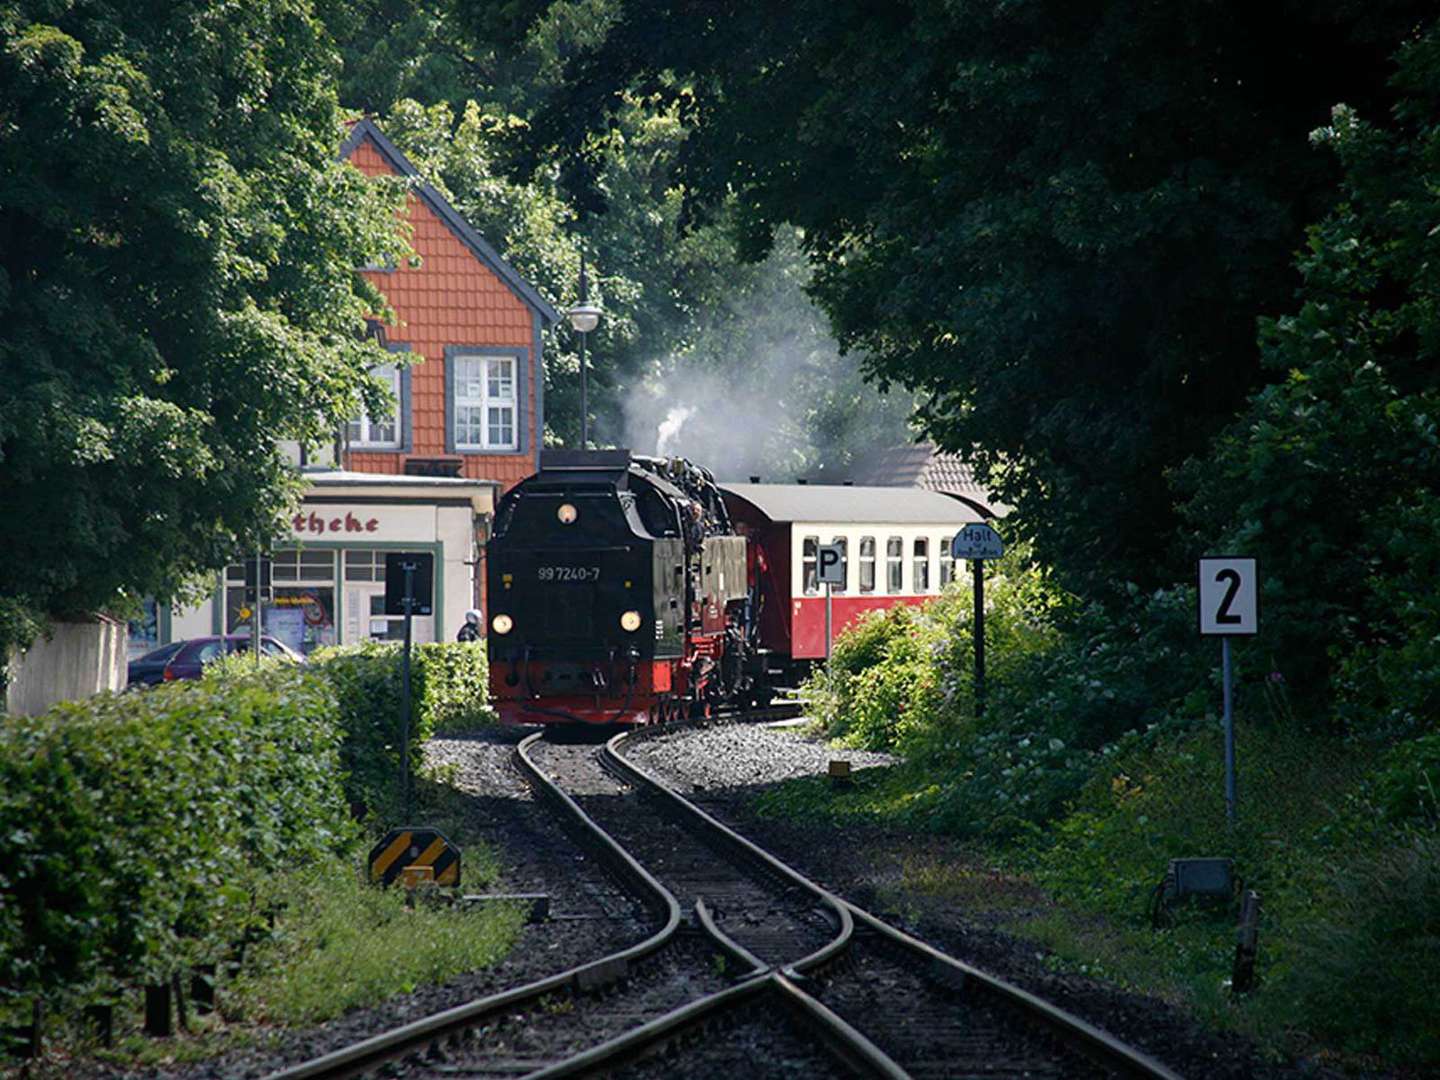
(1229, 596)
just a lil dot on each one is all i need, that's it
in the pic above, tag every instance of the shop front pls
(327, 577)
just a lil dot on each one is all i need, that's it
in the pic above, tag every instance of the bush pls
(137, 830)
(449, 688)
(1366, 973)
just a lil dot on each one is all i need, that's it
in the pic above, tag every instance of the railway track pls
(747, 964)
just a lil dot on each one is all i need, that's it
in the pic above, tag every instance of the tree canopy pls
(178, 244)
(1055, 222)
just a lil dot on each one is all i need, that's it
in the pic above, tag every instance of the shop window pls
(365, 566)
(867, 564)
(809, 549)
(922, 565)
(895, 565)
(300, 610)
(485, 402)
(365, 430)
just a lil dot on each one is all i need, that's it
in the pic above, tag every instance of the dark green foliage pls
(137, 831)
(177, 251)
(1330, 474)
(449, 689)
(1407, 789)
(1056, 222)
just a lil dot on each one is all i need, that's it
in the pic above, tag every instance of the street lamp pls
(584, 317)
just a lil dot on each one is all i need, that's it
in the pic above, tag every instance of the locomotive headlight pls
(502, 624)
(567, 514)
(630, 621)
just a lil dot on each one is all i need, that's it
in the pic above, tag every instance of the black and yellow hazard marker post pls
(415, 856)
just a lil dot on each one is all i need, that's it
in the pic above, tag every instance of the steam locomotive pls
(618, 593)
(628, 590)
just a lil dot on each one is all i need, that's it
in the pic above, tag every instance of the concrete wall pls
(79, 659)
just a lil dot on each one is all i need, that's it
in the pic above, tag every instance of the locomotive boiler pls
(618, 593)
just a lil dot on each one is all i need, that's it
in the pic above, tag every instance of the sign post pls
(408, 586)
(257, 587)
(978, 543)
(830, 571)
(1229, 607)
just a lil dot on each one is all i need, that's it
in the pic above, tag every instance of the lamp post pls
(584, 317)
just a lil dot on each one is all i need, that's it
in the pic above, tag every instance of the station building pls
(468, 425)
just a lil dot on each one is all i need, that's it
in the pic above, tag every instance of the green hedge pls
(137, 831)
(449, 684)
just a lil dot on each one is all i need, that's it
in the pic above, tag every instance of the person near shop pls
(471, 630)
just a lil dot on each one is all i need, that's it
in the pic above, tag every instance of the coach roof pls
(862, 505)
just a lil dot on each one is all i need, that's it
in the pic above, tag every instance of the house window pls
(809, 549)
(922, 565)
(365, 431)
(894, 565)
(867, 564)
(485, 403)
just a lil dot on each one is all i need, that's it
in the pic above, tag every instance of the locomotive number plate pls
(569, 574)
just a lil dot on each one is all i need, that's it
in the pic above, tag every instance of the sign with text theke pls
(830, 564)
(421, 565)
(1229, 596)
(977, 542)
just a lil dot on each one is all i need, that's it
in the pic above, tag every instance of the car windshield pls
(164, 652)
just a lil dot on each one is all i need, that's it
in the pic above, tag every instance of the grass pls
(340, 944)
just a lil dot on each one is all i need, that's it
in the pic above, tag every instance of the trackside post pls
(1229, 606)
(978, 543)
(408, 586)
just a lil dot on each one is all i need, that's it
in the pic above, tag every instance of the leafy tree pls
(1331, 474)
(687, 326)
(177, 253)
(1055, 221)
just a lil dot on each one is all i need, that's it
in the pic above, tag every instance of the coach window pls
(808, 548)
(922, 565)
(947, 564)
(867, 564)
(844, 546)
(895, 565)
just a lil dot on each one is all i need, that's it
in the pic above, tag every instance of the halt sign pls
(977, 542)
(1229, 596)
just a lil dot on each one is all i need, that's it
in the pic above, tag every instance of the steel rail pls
(1094, 1042)
(840, 1039)
(826, 953)
(400, 1042)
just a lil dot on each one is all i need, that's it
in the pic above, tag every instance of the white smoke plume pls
(764, 391)
(666, 434)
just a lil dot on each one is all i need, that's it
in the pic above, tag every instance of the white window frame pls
(360, 432)
(485, 402)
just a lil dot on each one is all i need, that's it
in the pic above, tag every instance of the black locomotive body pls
(618, 592)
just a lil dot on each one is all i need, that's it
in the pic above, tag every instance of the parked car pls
(186, 659)
(149, 669)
